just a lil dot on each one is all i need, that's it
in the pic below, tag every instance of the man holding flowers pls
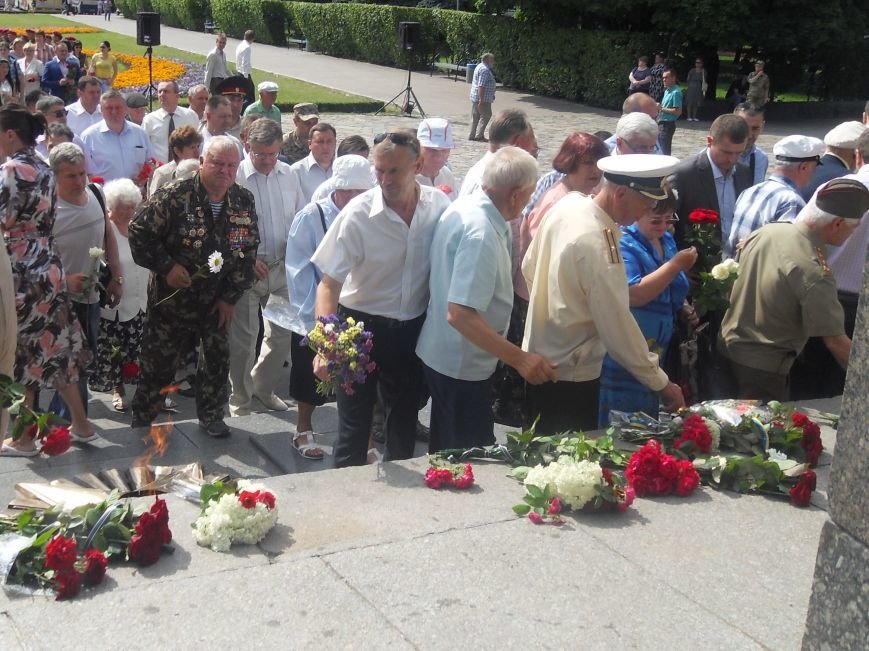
(375, 260)
(199, 236)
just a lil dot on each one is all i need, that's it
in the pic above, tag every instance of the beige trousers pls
(250, 376)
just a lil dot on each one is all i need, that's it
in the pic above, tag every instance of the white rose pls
(720, 272)
(731, 265)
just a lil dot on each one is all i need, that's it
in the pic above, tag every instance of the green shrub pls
(168, 12)
(192, 14)
(268, 18)
(131, 7)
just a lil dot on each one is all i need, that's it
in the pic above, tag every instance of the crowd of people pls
(502, 294)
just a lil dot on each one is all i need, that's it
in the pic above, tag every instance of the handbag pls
(104, 273)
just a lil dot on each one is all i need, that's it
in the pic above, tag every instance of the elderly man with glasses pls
(278, 197)
(375, 261)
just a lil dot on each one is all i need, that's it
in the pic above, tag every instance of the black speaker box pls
(147, 28)
(409, 35)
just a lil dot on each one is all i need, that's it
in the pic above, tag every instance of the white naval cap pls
(798, 149)
(845, 135)
(435, 133)
(644, 173)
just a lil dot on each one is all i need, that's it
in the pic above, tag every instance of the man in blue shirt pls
(778, 198)
(471, 290)
(482, 96)
(669, 110)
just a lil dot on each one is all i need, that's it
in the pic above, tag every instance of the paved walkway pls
(552, 118)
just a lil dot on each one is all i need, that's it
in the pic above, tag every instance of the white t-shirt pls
(134, 297)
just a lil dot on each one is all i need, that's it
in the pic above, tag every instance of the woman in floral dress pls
(50, 348)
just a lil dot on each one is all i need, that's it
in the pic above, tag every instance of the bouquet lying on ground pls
(47, 429)
(234, 512)
(774, 446)
(62, 551)
(568, 484)
(345, 346)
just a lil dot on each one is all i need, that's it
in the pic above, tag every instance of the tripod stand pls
(406, 106)
(151, 90)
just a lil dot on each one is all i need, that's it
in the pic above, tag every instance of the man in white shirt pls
(85, 111)
(114, 147)
(215, 64)
(278, 198)
(435, 137)
(509, 127)
(243, 64)
(197, 97)
(316, 167)
(160, 124)
(218, 117)
(375, 258)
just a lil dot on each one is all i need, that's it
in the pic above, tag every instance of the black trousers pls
(397, 381)
(564, 406)
(461, 416)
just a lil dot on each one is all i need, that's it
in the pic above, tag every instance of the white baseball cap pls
(352, 172)
(435, 133)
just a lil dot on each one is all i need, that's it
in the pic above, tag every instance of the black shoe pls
(423, 433)
(137, 423)
(217, 429)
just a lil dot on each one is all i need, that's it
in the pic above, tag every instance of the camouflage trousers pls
(172, 332)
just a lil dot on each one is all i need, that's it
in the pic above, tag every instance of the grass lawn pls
(292, 90)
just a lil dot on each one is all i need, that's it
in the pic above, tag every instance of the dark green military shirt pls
(177, 225)
(784, 294)
(294, 147)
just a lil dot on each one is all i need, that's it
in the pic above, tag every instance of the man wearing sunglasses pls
(53, 110)
(375, 261)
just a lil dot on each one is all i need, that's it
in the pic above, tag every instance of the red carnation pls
(554, 506)
(535, 517)
(57, 441)
(799, 419)
(801, 493)
(694, 429)
(32, 431)
(60, 554)
(67, 584)
(445, 189)
(98, 179)
(95, 567)
(266, 498)
(630, 496)
(152, 532)
(248, 499)
(129, 370)
(688, 478)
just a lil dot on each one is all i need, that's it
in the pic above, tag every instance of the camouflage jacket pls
(176, 225)
(294, 148)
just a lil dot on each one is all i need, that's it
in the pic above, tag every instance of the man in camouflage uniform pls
(173, 235)
(295, 146)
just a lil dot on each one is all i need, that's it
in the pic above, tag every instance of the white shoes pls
(272, 402)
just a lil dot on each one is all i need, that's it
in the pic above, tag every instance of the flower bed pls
(135, 77)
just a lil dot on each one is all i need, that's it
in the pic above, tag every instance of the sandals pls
(374, 456)
(119, 402)
(11, 451)
(308, 450)
(82, 438)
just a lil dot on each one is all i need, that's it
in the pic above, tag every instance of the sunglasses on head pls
(395, 137)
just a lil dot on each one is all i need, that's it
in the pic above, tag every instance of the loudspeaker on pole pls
(148, 28)
(409, 35)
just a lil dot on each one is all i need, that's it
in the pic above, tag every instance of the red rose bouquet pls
(45, 428)
(152, 532)
(704, 234)
(147, 170)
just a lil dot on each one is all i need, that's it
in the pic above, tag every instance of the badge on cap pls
(643, 173)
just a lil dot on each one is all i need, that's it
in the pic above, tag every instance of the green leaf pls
(42, 539)
(534, 491)
(520, 472)
(521, 509)
(24, 519)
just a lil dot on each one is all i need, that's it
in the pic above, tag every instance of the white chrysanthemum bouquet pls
(234, 512)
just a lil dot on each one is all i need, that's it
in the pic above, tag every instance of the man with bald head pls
(183, 228)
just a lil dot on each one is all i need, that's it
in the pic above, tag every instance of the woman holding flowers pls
(120, 329)
(50, 351)
(657, 285)
(29, 70)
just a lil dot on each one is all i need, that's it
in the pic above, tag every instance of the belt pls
(380, 321)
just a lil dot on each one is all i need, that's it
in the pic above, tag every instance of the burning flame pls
(158, 437)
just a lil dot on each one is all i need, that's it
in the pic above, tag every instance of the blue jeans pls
(88, 315)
